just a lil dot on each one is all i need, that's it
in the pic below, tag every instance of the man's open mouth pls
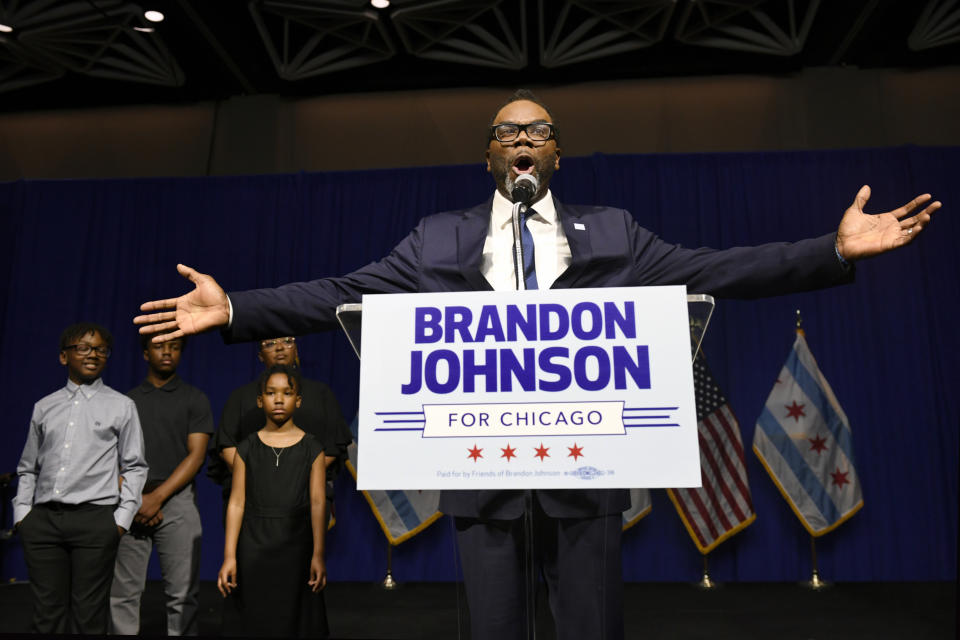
(523, 164)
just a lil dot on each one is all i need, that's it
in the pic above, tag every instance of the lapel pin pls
(579, 226)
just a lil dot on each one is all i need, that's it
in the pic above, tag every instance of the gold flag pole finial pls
(799, 323)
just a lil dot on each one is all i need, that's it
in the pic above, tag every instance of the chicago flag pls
(640, 506)
(803, 439)
(401, 514)
(722, 506)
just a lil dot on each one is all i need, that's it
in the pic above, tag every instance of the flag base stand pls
(706, 582)
(389, 584)
(815, 583)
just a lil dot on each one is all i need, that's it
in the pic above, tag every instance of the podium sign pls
(573, 389)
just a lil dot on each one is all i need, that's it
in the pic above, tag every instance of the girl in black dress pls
(273, 567)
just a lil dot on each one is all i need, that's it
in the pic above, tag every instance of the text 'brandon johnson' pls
(545, 368)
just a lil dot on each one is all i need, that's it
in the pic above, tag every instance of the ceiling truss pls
(939, 25)
(306, 39)
(97, 39)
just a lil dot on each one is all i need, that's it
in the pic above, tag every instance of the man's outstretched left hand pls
(862, 235)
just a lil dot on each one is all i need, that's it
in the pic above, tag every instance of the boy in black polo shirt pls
(177, 424)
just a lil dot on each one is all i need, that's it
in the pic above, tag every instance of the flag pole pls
(815, 581)
(706, 582)
(388, 582)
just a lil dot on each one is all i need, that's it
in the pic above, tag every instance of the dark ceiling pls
(83, 53)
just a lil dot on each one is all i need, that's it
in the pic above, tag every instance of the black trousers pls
(70, 552)
(579, 559)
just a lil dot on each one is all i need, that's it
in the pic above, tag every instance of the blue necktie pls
(529, 263)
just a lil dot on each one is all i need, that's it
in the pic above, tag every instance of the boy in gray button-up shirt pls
(80, 478)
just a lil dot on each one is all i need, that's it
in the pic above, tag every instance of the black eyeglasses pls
(510, 131)
(282, 343)
(85, 349)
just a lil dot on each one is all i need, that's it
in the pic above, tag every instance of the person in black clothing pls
(273, 567)
(177, 425)
(319, 416)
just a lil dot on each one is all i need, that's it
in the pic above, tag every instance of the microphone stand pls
(529, 570)
(518, 209)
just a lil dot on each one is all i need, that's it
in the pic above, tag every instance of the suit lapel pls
(471, 235)
(578, 237)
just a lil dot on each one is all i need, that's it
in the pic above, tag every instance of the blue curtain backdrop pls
(95, 249)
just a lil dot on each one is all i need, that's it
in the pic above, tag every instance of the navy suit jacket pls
(609, 249)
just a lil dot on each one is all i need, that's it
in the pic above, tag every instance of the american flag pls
(722, 506)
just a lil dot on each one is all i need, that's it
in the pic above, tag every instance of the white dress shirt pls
(551, 249)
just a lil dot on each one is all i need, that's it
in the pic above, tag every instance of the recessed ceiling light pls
(5, 28)
(380, 4)
(153, 16)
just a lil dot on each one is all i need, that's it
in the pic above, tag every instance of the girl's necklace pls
(277, 454)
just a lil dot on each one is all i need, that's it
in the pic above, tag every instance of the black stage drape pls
(95, 249)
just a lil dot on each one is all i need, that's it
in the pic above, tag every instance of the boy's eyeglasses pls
(85, 349)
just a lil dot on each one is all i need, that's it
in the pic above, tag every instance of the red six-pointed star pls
(475, 453)
(818, 444)
(795, 411)
(840, 477)
(541, 452)
(575, 451)
(509, 452)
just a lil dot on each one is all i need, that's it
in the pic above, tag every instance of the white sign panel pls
(577, 388)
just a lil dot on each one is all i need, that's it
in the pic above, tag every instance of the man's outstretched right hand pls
(203, 309)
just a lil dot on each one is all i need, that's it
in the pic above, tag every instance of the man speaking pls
(576, 533)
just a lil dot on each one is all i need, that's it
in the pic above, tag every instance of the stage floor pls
(849, 611)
